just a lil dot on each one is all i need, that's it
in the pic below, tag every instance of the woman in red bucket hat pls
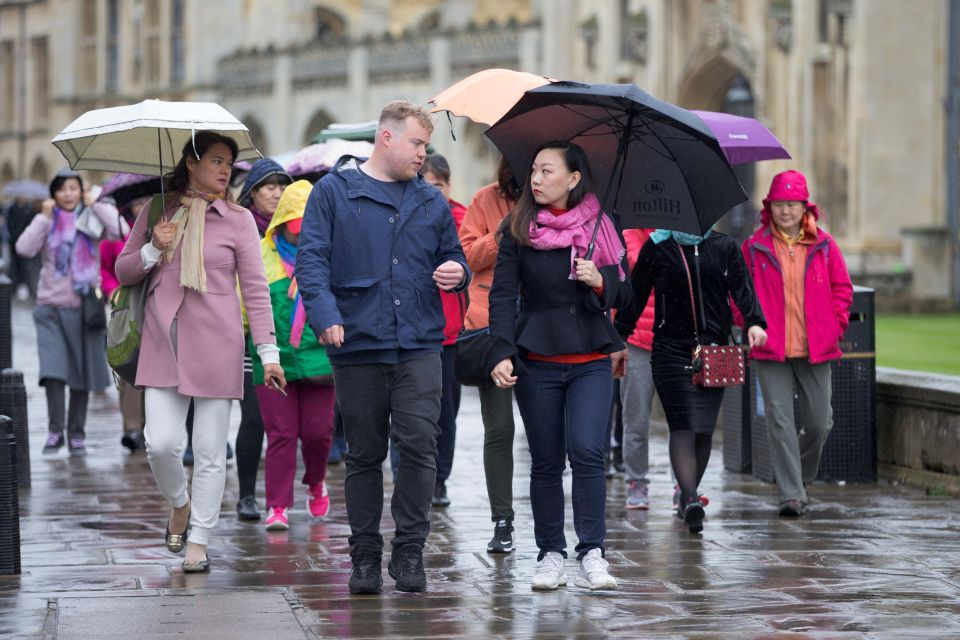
(804, 289)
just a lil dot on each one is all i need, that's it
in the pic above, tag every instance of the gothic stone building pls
(855, 89)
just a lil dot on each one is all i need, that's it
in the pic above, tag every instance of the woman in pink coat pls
(193, 344)
(805, 293)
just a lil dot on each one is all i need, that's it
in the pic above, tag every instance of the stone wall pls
(918, 428)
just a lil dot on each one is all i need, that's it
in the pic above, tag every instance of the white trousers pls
(165, 433)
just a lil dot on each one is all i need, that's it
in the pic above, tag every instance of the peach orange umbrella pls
(487, 95)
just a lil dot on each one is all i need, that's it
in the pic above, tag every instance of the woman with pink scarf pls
(557, 348)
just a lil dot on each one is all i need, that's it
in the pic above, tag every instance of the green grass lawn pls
(919, 342)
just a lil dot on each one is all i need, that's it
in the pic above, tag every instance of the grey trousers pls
(795, 453)
(636, 397)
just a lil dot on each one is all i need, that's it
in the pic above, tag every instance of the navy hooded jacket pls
(365, 265)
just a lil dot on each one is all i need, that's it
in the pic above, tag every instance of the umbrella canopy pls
(657, 164)
(320, 158)
(743, 139)
(360, 131)
(147, 137)
(126, 187)
(487, 95)
(27, 189)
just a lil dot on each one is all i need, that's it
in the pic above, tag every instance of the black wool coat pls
(535, 306)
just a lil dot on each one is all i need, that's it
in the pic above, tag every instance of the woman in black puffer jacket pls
(716, 274)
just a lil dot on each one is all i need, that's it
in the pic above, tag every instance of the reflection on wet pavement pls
(867, 561)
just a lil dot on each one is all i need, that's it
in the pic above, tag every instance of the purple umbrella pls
(126, 187)
(743, 139)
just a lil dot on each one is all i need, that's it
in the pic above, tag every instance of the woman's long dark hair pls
(518, 220)
(178, 180)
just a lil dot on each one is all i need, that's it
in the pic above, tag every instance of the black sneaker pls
(406, 567)
(365, 578)
(440, 498)
(791, 509)
(502, 540)
(134, 441)
(77, 447)
(247, 509)
(54, 442)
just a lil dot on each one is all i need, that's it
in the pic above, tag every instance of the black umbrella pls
(659, 165)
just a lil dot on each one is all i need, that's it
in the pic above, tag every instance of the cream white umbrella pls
(146, 138)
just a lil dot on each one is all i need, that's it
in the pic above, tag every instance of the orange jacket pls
(477, 232)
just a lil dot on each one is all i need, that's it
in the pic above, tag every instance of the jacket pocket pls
(358, 301)
(430, 318)
(221, 279)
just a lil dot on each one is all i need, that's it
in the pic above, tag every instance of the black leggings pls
(249, 439)
(691, 415)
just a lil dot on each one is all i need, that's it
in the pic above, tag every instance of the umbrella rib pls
(620, 130)
(595, 121)
(669, 154)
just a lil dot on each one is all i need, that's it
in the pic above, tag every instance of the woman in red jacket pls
(436, 171)
(805, 292)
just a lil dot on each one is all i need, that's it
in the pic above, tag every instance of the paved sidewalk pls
(866, 562)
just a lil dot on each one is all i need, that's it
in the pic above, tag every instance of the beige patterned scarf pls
(190, 220)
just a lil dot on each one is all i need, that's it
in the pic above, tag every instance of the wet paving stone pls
(867, 561)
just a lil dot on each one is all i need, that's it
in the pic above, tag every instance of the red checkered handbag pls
(712, 365)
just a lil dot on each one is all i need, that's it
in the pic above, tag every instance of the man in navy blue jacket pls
(377, 245)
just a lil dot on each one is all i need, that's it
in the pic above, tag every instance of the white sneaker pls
(593, 572)
(549, 574)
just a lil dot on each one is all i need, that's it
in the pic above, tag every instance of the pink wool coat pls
(209, 329)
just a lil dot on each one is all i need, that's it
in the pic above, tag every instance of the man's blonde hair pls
(396, 112)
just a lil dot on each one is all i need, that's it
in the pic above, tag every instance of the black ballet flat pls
(202, 566)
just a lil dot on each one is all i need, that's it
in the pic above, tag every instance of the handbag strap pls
(156, 210)
(693, 311)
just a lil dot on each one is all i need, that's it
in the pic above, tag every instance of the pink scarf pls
(574, 229)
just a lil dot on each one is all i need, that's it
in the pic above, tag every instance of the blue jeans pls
(566, 411)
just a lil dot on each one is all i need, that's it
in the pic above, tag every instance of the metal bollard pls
(9, 501)
(13, 403)
(6, 322)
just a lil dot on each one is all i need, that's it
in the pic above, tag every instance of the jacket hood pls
(260, 171)
(788, 185)
(291, 206)
(347, 168)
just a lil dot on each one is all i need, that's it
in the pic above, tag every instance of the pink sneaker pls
(277, 519)
(318, 502)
